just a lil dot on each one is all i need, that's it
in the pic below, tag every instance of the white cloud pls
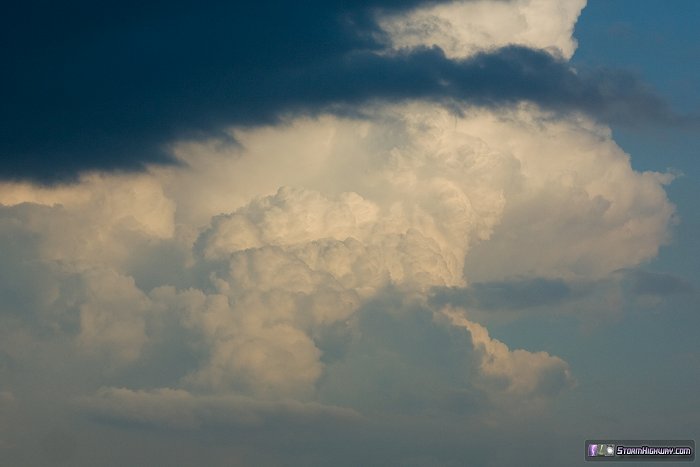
(518, 178)
(578, 209)
(463, 28)
(112, 317)
(275, 255)
(510, 376)
(94, 221)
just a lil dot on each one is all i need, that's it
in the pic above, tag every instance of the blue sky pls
(386, 233)
(660, 44)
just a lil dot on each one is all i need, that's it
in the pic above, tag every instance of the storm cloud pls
(114, 87)
(342, 211)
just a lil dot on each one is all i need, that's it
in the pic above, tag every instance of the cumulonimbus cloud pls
(286, 270)
(275, 282)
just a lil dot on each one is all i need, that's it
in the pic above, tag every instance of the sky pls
(397, 233)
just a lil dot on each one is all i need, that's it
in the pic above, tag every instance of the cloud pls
(306, 282)
(593, 302)
(8, 404)
(179, 409)
(282, 275)
(463, 28)
(119, 209)
(356, 196)
(525, 374)
(509, 177)
(112, 316)
(515, 294)
(400, 356)
(657, 284)
(115, 93)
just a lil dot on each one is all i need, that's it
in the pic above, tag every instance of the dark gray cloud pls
(526, 293)
(400, 359)
(657, 284)
(109, 86)
(509, 295)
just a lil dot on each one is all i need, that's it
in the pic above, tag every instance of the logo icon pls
(598, 450)
(606, 450)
